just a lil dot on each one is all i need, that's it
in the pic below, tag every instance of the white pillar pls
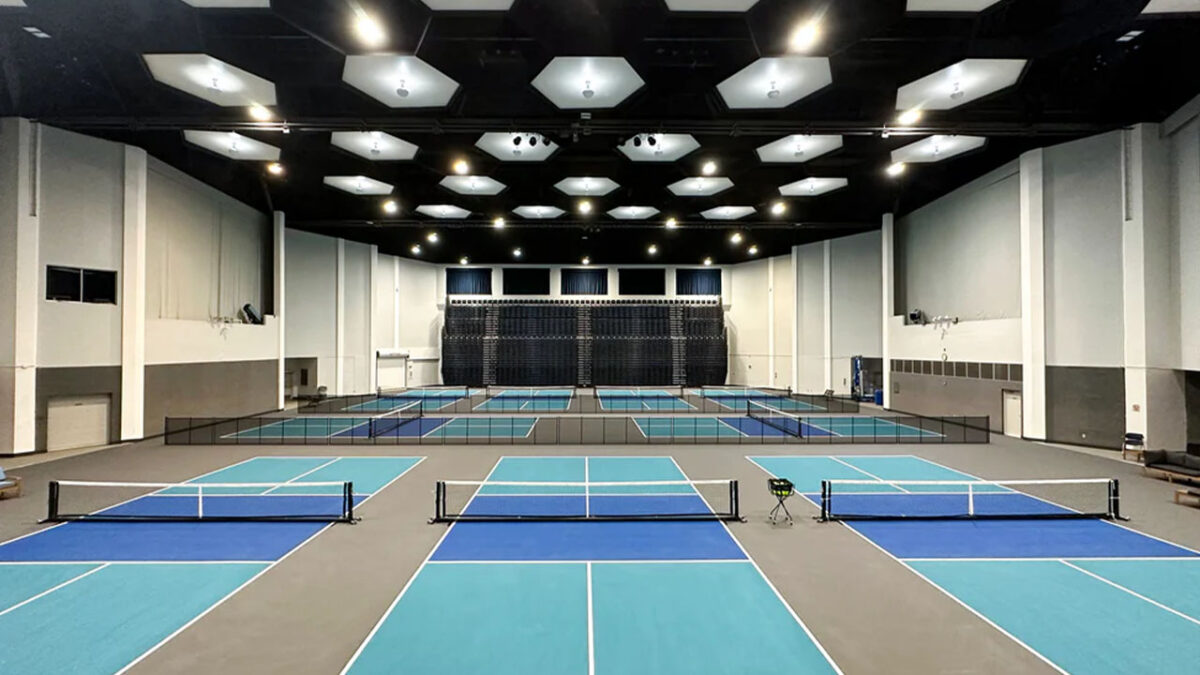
(339, 340)
(395, 302)
(797, 291)
(1033, 296)
(670, 282)
(827, 309)
(887, 236)
(133, 297)
(770, 382)
(280, 247)
(614, 282)
(20, 191)
(373, 300)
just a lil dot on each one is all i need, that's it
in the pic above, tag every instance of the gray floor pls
(309, 613)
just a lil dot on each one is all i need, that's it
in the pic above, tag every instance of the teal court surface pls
(587, 597)
(430, 399)
(736, 399)
(97, 596)
(1085, 596)
(313, 427)
(531, 400)
(848, 427)
(622, 400)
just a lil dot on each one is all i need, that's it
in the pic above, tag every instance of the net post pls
(348, 501)
(439, 501)
(735, 507)
(200, 501)
(970, 499)
(52, 506)
(1114, 499)
(824, 500)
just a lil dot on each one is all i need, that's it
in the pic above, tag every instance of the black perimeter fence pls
(493, 400)
(563, 430)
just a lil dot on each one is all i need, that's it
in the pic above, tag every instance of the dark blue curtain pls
(469, 281)
(584, 282)
(697, 282)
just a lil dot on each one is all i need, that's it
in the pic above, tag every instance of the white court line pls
(948, 594)
(293, 478)
(613, 561)
(587, 512)
(591, 624)
(388, 612)
(1144, 558)
(261, 572)
(809, 633)
(43, 563)
(50, 590)
(868, 473)
(1133, 593)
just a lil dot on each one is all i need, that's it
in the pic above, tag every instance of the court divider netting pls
(775, 418)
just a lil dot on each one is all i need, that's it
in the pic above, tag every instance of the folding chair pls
(782, 488)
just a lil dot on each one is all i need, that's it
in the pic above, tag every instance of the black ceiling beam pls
(565, 128)
(595, 225)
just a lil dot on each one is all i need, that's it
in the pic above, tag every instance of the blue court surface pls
(430, 399)
(628, 400)
(531, 400)
(691, 426)
(1064, 589)
(736, 399)
(557, 598)
(311, 426)
(93, 597)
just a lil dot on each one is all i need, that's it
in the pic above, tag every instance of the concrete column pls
(827, 310)
(770, 381)
(373, 299)
(797, 358)
(339, 340)
(395, 302)
(614, 282)
(1033, 296)
(670, 282)
(20, 189)
(280, 281)
(133, 297)
(887, 264)
(1154, 389)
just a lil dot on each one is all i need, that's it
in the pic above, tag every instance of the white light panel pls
(567, 80)
(538, 211)
(964, 6)
(727, 212)
(798, 148)
(468, 5)
(399, 81)
(586, 186)
(775, 82)
(666, 147)
(232, 145)
(959, 84)
(359, 185)
(211, 79)
(632, 212)
(700, 186)
(229, 4)
(443, 211)
(473, 185)
(812, 187)
(937, 148)
(710, 5)
(1172, 7)
(516, 146)
(374, 145)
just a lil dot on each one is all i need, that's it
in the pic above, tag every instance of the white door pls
(77, 421)
(1012, 414)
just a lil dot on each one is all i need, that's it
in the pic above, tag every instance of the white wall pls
(810, 311)
(1184, 215)
(179, 341)
(383, 323)
(783, 295)
(856, 303)
(82, 221)
(747, 323)
(1083, 216)
(356, 360)
(311, 290)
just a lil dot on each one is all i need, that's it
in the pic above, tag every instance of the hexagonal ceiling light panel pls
(443, 211)
(229, 4)
(586, 186)
(700, 186)
(937, 148)
(1171, 6)
(517, 146)
(587, 82)
(959, 84)
(658, 147)
(211, 79)
(359, 185)
(232, 145)
(812, 187)
(374, 145)
(797, 148)
(473, 185)
(399, 81)
(961, 6)
(727, 212)
(469, 5)
(710, 5)
(632, 212)
(775, 82)
(538, 211)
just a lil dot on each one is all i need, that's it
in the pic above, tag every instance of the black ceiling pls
(89, 76)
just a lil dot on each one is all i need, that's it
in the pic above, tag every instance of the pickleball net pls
(110, 501)
(386, 424)
(775, 418)
(457, 500)
(970, 499)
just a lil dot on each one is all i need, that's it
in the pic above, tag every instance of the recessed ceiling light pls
(498, 223)
(370, 32)
(895, 169)
(1128, 37)
(707, 262)
(461, 167)
(587, 91)
(652, 249)
(586, 260)
(432, 237)
(34, 31)
(585, 206)
(709, 168)
(672, 223)
(275, 169)
(516, 253)
(464, 260)
(778, 208)
(805, 36)
(390, 206)
(735, 238)
(753, 250)
(416, 249)
(909, 117)
(260, 112)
